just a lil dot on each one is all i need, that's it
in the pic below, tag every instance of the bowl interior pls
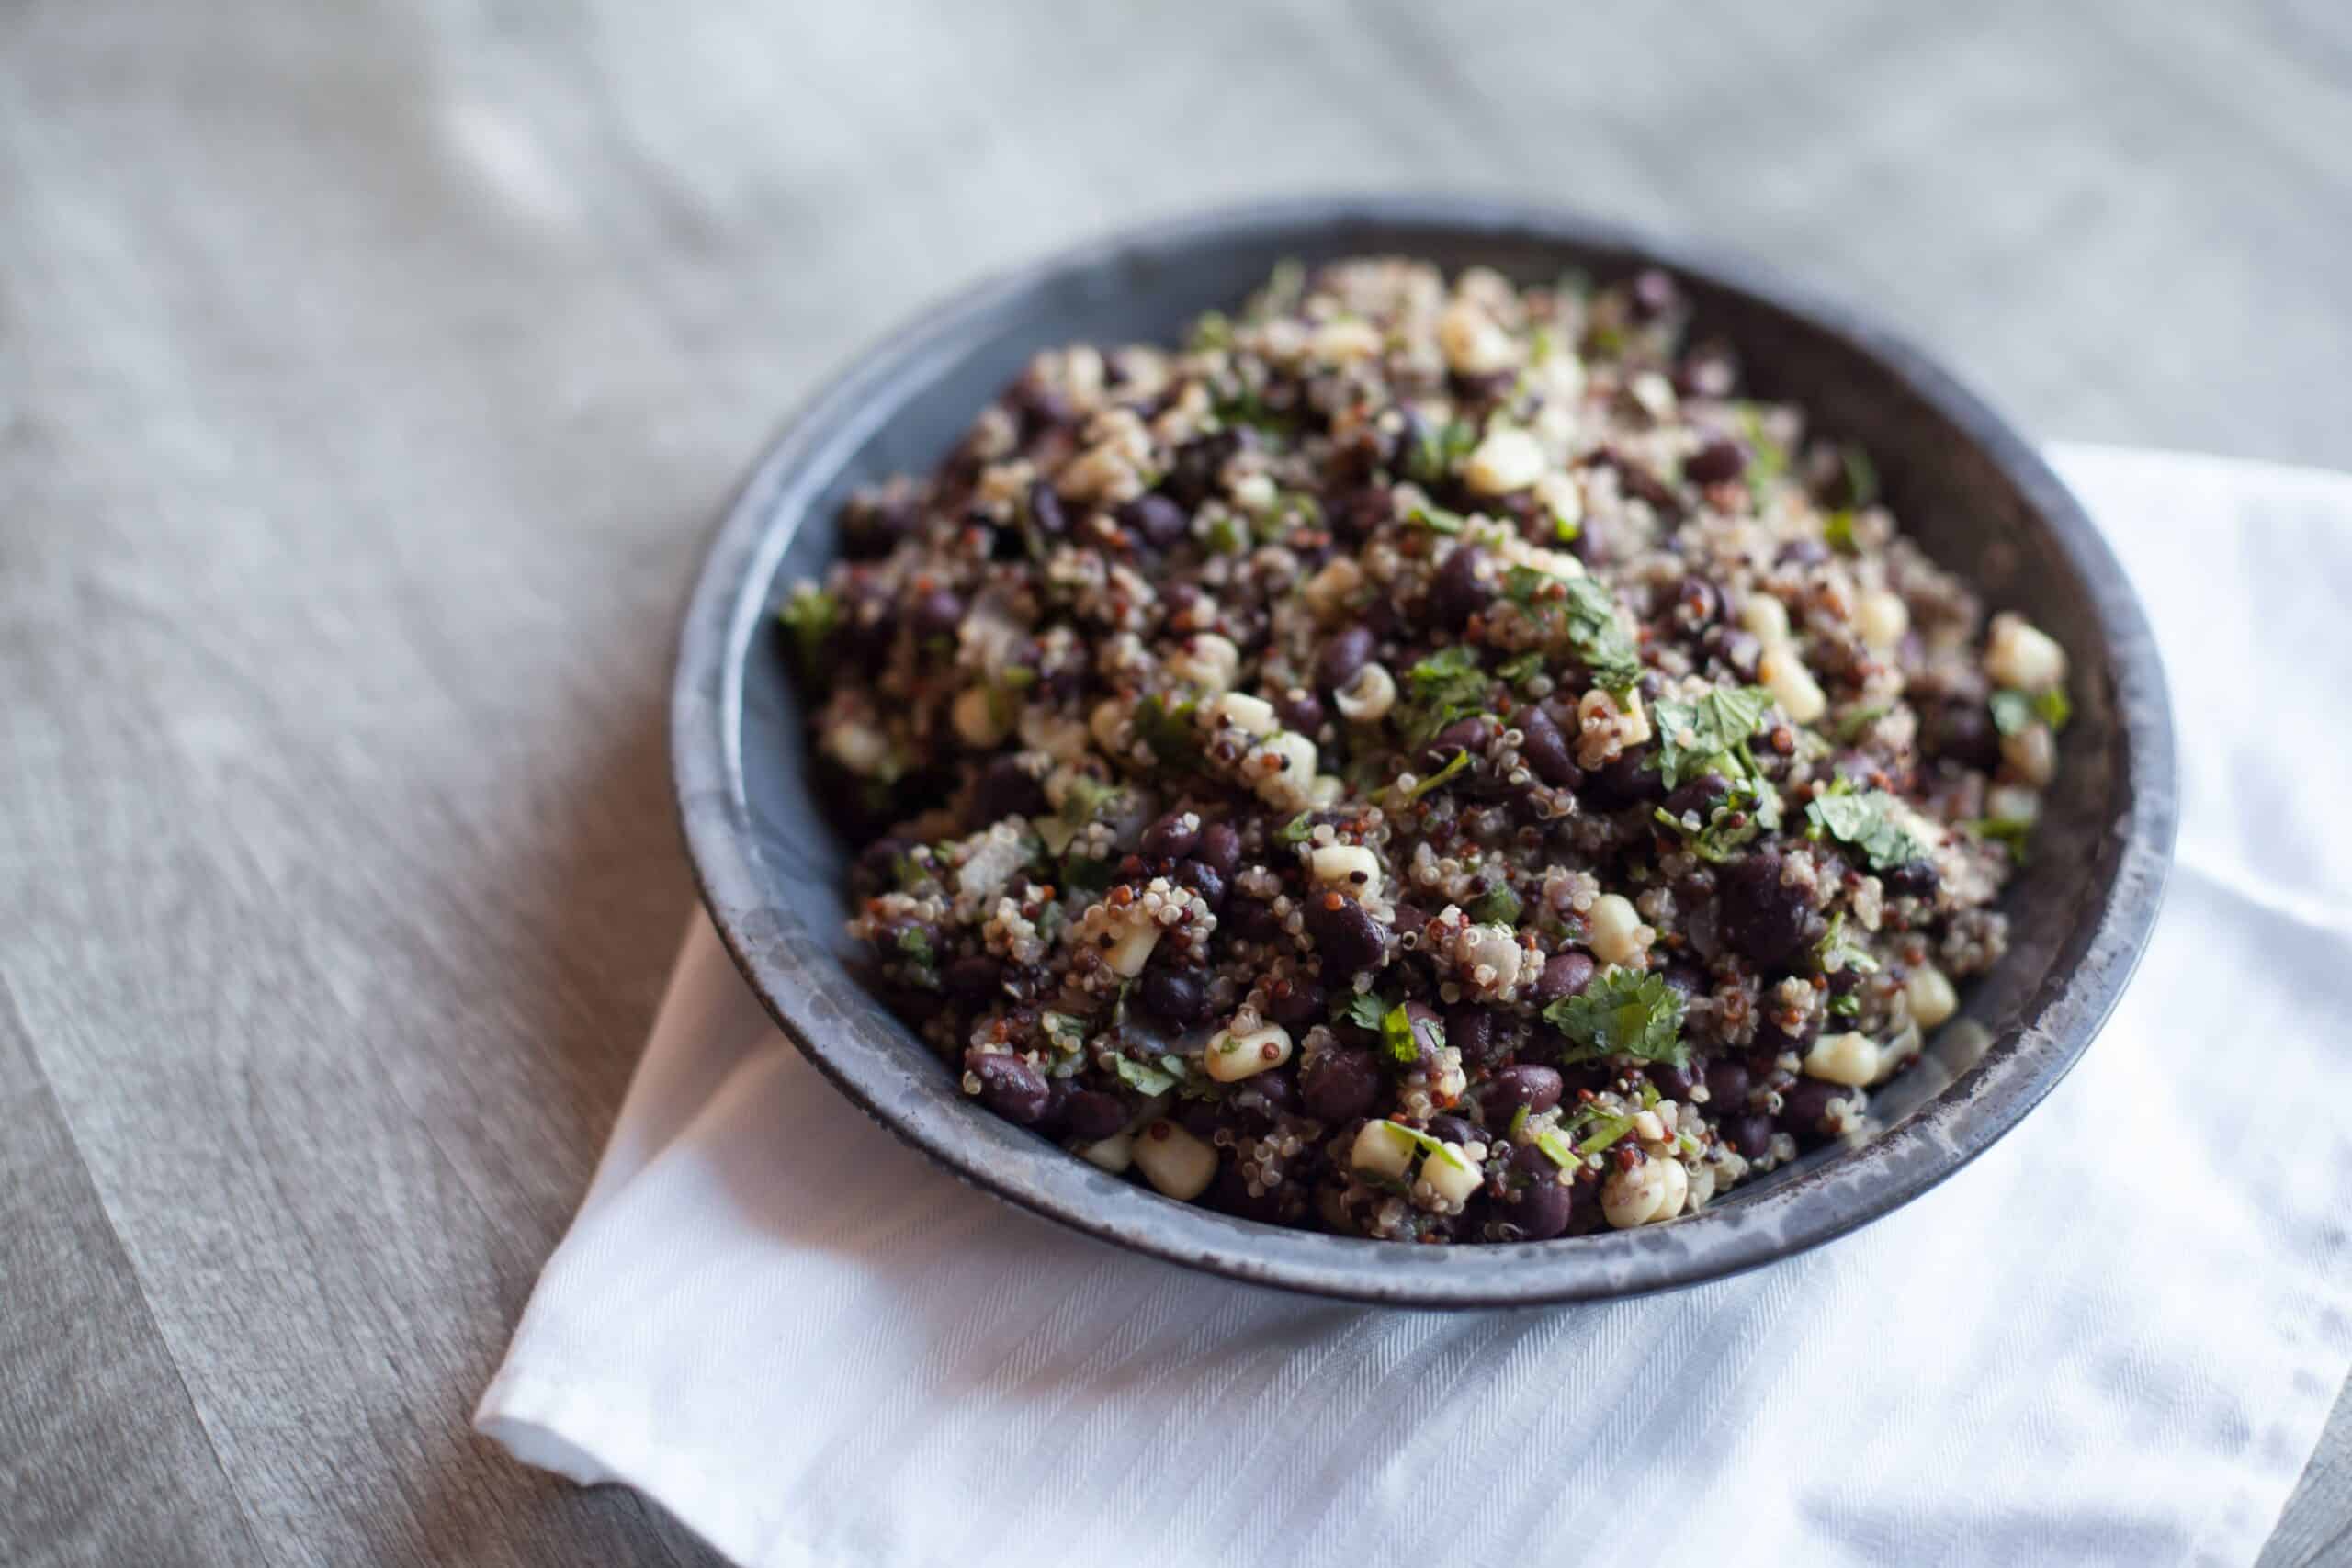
(1976, 497)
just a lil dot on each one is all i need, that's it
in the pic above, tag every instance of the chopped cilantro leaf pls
(1434, 454)
(1083, 798)
(1692, 734)
(1596, 636)
(1521, 584)
(915, 942)
(1227, 536)
(1866, 822)
(1852, 726)
(1212, 330)
(1861, 478)
(1166, 727)
(1518, 1121)
(1436, 519)
(1362, 1009)
(1396, 1034)
(2013, 832)
(1447, 686)
(1837, 953)
(1295, 831)
(1147, 1079)
(1087, 874)
(1837, 532)
(2016, 712)
(1846, 1006)
(1623, 1012)
(1496, 907)
(1566, 530)
(1064, 1031)
(1525, 668)
(810, 616)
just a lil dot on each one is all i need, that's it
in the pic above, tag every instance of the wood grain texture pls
(368, 374)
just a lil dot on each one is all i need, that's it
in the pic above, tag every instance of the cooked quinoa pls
(1426, 760)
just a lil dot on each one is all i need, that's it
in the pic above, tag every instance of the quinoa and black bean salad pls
(1427, 760)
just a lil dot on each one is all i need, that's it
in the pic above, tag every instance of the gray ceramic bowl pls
(1964, 484)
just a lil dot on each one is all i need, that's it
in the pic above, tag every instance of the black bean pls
(1540, 1202)
(1914, 878)
(937, 614)
(1470, 735)
(1251, 920)
(1300, 709)
(1447, 1129)
(1009, 1085)
(1180, 996)
(1339, 1085)
(1726, 1089)
(1220, 850)
(1173, 837)
(1688, 979)
(1750, 1132)
(1803, 552)
(1345, 935)
(1763, 917)
(1046, 511)
(1157, 521)
(1675, 1083)
(1546, 750)
(1960, 730)
(875, 869)
(1195, 473)
(1565, 975)
(874, 529)
(1005, 789)
(1278, 1087)
(1297, 1004)
(1203, 879)
(1341, 655)
(1470, 1028)
(1526, 1084)
(1694, 602)
(1699, 797)
(1460, 591)
(974, 980)
(1772, 1040)
(1630, 780)
(1720, 459)
(1804, 1109)
(1358, 516)
(1090, 1116)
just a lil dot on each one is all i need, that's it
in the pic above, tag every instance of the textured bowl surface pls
(1968, 488)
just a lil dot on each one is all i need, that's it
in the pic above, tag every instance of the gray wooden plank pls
(82, 1355)
(366, 373)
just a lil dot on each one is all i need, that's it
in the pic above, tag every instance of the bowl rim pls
(776, 957)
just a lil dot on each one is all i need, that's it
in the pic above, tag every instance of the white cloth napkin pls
(2112, 1339)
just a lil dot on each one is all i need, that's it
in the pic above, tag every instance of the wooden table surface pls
(369, 374)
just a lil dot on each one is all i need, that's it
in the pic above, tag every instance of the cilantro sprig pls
(1694, 737)
(1447, 686)
(1623, 1012)
(809, 617)
(1867, 821)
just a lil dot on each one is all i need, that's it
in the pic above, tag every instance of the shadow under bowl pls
(1971, 491)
